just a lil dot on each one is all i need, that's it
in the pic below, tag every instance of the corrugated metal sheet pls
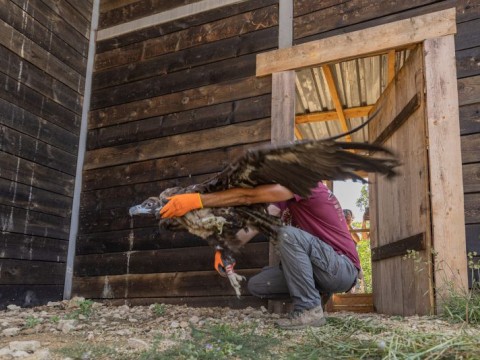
(359, 82)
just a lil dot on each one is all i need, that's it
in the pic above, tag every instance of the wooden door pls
(400, 208)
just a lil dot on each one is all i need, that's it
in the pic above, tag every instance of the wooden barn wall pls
(319, 19)
(43, 56)
(171, 105)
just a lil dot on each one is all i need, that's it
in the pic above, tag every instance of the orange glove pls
(179, 205)
(224, 263)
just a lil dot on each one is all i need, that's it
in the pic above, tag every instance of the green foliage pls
(362, 201)
(85, 308)
(159, 309)
(464, 306)
(351, 338)
(85, 350)
(55, 319)
(365, 254)
(222, 341)
(31, 322)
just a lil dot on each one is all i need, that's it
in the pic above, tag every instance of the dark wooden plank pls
(66, 12)
(24, 272)
(137, 10)
(221, 29)
(29, 295)
(468, 90)
(138, 239)
(186, 121)
(182, 101)
(404, 114)
(471, 178)
(225, 70)
(31, 198)
(166, 260)
(236, 134)
(189, 284)
(85, 8)
(177, 166)
(470, 146)
(105, 199)
(467, 10)
(36, 79)
(260, 40)
(468, 62)
(28, 148)
(95, 219)
(56, 24)
(399, 247)
(406, 14)
(27, 123)
(29, 222)
(467, 35)
(232, 302)
(181, 24)
(30, 173)
(27, 247)
(349, 13)
(16, 17)
(302, 7)
(472, 208)
(28, 99)
(470, 119)
(35, 54)
(473, 238)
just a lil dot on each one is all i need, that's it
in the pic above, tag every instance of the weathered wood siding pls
(171, 104)
(320, 19)
(43, 55)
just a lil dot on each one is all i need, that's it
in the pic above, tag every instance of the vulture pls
(298, 167)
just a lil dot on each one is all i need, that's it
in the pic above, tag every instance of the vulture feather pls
(298, 167)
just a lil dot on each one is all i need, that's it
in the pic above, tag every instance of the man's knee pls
(254, 287)
(287, 236)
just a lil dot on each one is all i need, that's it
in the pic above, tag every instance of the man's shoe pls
(301, 319)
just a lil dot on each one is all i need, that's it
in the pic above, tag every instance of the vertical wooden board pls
(283, 107)
(446, 186)
(399, 207)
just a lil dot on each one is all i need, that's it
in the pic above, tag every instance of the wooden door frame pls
(436, 31)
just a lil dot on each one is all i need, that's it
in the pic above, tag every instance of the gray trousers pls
(309, 267)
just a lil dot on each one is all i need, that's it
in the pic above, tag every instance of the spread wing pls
(300, 166)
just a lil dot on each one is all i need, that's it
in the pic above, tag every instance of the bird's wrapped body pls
(298, 167)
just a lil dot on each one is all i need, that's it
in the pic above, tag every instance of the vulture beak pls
(139, 210)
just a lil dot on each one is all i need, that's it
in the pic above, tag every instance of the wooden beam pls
(445, 159)
(402, 116)
(336, 99)
(399, 247)
(358, 43)
(283, 107)
(354, 112)
(162, 17)
(298, 134)
(391, 65)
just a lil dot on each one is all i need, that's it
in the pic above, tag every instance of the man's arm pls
(246, 196)
(179, 205)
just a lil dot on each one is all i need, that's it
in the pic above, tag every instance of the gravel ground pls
(51, 331)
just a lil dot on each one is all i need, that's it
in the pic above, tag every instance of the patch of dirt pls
(79, 329)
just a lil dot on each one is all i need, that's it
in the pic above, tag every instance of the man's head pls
(348, 215)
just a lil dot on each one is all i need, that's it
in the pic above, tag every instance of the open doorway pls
(416, 115)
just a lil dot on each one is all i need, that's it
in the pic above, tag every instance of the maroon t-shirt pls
(322, 216)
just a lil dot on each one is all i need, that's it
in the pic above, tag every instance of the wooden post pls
(446, 185)
(283, 112)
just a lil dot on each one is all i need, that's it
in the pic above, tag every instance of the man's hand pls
(179, 205)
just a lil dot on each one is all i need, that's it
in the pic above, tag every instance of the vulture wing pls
(300, 166)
